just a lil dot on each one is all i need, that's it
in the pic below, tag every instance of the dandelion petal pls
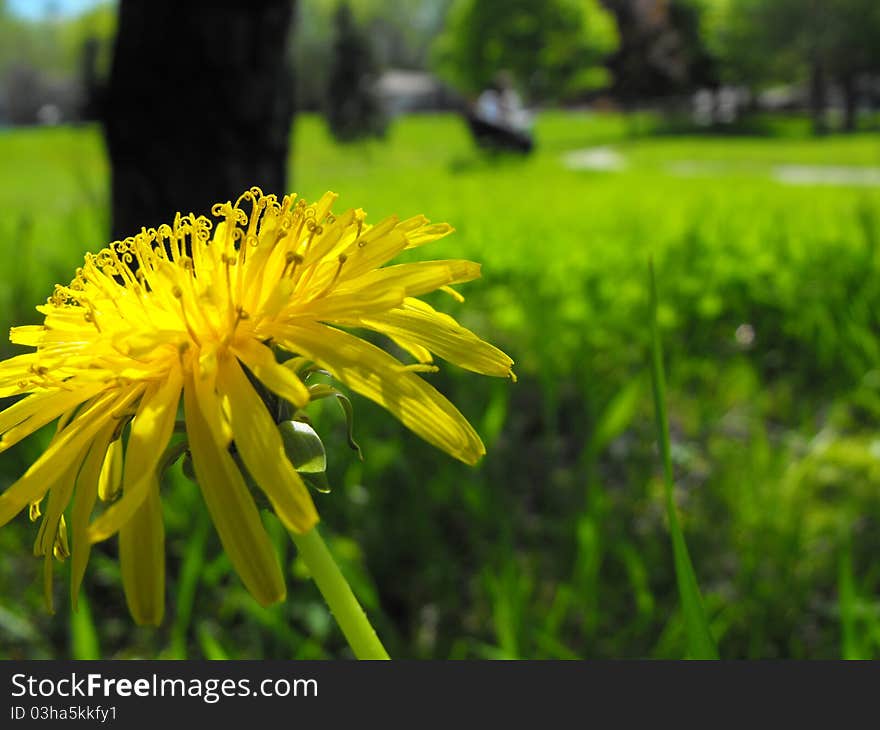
(232, 508)
(142, 559)
(375, 374)
(261, 448)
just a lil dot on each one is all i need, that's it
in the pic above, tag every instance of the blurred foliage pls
(353, 108)
(662, 53)
(731, 26)
(639, 51)
(54, 45)
(57, 62)
(557, 544)
(762, 41)
(553, 49)
(399, 31)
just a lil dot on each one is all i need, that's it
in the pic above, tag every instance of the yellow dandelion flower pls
(175, 311)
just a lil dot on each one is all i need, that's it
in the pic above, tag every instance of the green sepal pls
(302, 367)
(348, 410)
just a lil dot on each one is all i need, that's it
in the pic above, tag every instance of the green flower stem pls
(349, 615)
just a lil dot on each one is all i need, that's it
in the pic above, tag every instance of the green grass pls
(558, 544)
(700, 644)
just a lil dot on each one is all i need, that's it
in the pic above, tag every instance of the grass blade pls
(700, 644)
(211, 647)
(190, 574)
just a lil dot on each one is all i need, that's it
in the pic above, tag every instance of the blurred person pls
(498, 119)
(501, 104)
(488, 105)
(513, 113)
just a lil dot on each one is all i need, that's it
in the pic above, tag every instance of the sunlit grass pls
(700, 644)
(558, 545)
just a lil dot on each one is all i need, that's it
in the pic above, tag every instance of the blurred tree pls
(91, 106)
(11, 37)
(53, 44)
(199, 106)
(17, 76)
(662, 50)
(25, 88)
(401, 33)
(313, 49)
(56, 59)
(788, 41)
(554, 49)
(854, 51)
(96, 26)
(353, 108)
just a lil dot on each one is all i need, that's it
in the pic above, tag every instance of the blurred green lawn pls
(556, 545)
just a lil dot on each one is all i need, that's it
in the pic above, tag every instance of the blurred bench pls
(498, 137)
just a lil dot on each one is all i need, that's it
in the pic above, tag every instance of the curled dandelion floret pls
(180, 314)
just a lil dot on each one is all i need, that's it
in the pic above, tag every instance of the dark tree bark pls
(91, 108)
(198, 107)
(818, 96)
(849, 87)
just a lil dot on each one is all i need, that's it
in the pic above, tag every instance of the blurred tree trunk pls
(91, 102)
(849, 88)
(199, 106)
(818, 96)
